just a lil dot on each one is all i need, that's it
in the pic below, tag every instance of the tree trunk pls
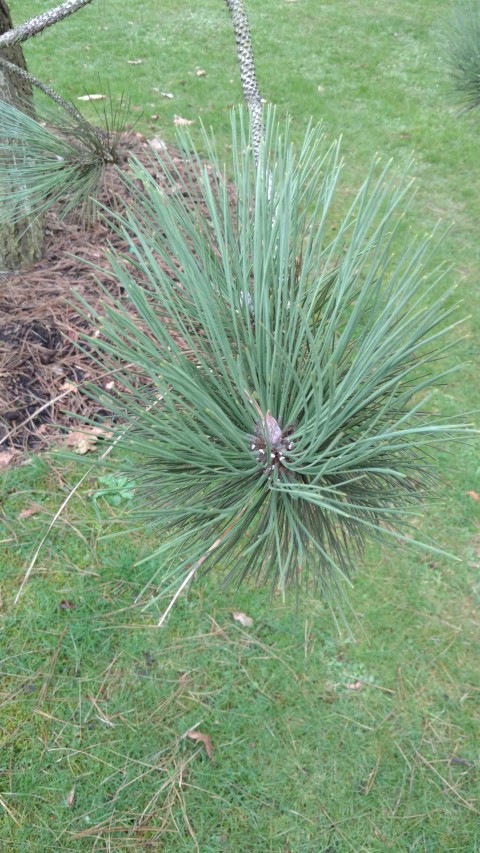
(21, 244)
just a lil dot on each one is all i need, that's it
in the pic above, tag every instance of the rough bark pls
(20, 244)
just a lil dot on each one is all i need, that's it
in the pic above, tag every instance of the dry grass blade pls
(447, 784)
(8, 810)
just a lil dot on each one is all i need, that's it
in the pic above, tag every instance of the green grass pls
(324, 739)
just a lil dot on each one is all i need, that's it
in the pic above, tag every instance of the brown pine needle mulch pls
(41, 369)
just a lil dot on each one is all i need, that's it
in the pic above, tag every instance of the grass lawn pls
(309, 736)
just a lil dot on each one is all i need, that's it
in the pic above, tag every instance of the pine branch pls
(248, 76)
(41, 22)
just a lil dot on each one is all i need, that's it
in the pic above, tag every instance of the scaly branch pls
(47, 90)
(248, 76)
(36, 25)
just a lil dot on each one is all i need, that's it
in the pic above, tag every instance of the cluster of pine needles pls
(463, 53)
(55, 157)
(289, 355)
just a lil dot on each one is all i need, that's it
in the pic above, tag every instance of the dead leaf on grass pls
(7, 457)
(200, 72)
(70, 798)
(183, 122)
(91, 97)
(83, 441)
(30, 510)
(474, 495)
(203, 738)
(244, 620)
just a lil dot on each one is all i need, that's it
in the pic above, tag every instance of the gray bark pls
(21, 244)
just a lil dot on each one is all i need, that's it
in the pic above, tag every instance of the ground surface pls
(359, 741)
